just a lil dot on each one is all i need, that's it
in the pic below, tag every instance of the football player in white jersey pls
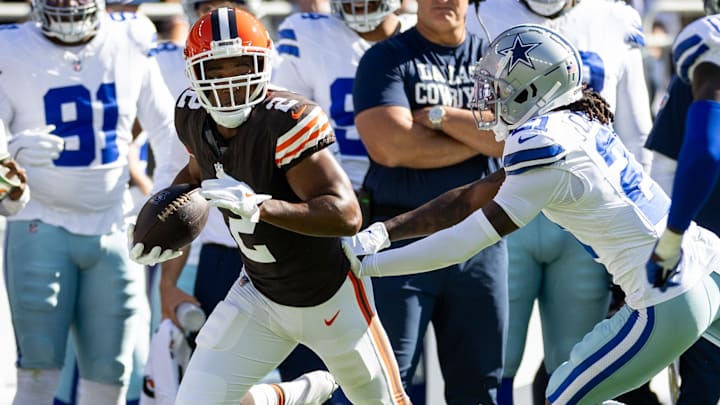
(542, 256)
(608, 34)
(562, 158)
(319, 54)
(73, 80)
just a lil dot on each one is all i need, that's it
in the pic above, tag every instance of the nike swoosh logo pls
(296, 115)
(330, 321)
(521, 139)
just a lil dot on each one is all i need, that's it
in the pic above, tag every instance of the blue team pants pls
(547, 263)
(62, 284)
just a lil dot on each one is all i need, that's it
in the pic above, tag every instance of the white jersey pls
(609, 36)
(92, 94)
(590, 185)
(698, 42)
(319, 55)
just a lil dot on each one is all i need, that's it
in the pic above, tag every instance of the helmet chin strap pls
(231, 119)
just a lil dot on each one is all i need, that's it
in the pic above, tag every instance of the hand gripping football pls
(172, 218)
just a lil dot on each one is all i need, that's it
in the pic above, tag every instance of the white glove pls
(370, 240)
(662, 266)
(355, 263)
(36, 147)
(156, 255)
(231, 194)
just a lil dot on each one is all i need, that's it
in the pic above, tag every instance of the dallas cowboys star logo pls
(519, 53)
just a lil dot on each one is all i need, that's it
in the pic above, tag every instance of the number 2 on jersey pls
(256, 253)
(70, 109)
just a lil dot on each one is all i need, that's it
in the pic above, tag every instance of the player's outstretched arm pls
(450, 246)
(699, 160)
(446, 210)
(442, 212)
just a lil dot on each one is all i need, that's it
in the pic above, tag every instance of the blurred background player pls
(319, 54)
(67, 264)
(684, 129)
(546, 262)
(411, 99)
(295, 272)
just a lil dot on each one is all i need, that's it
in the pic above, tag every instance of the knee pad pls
(39, 352)
(109, 371)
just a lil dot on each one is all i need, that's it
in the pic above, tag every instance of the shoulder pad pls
(531, 146)
(140, 30)
(626, 18)
(295, 27)
(308, 126)
(698, 42)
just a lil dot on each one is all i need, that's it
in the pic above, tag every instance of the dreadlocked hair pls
(593, 105)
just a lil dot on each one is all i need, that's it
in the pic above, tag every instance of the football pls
(171, 218)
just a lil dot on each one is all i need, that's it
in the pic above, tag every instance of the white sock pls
(311, 388)
(263, 394)
(36, 386)
(94, 393)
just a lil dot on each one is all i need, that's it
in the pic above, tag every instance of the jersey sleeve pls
(141, 29)
(310, 132)
(156, 115)
(523, 196)
(378, 81)
(528, 148)
(288, 72)
(634, 36)
(698, 42)
(633, 119)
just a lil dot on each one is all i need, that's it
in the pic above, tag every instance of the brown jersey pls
(289, 268)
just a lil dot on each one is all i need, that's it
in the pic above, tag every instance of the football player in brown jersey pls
(261, 156)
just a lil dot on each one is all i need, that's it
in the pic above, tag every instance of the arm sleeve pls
(156, 115)
(521, 196)
(633, 118)
(698, 164)
(441, 249)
